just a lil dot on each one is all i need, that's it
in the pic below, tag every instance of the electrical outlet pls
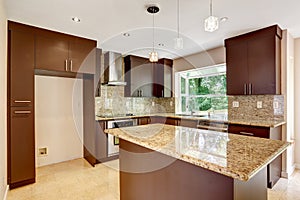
(171, 103)
(259, 104)
(235, 104)
(43, 151)
(275, 105)
(153, 103)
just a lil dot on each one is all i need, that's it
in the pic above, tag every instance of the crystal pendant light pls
(153, 55)
(178, 40)
(211, 23)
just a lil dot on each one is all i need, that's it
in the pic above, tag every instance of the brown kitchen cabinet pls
(188, 123)
(153, 79)
(162, 78)
(275, 167)
(60, 52)
(143, 120)
(253, 62)
(20, 119)
(21, 147)
(20, 70)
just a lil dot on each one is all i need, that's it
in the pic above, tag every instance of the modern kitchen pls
(149, 100)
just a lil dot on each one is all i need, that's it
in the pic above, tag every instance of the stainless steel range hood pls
(113, 69)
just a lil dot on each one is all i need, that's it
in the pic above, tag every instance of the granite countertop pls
(213, 118)
(236, 156)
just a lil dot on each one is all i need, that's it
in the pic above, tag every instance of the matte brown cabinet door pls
(262, 65)
(21, 68)
(237, 70)
(52, 52)
(82, 55)
(253, 62)
(21, 146)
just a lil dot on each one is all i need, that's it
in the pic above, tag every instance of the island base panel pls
(177, 180)
(253, 189)
(173, 179)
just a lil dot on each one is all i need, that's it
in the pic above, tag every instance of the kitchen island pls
(165, 162)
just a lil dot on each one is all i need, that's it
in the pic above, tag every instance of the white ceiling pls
(107, 20)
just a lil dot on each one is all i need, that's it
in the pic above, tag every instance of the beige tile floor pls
(76, 179)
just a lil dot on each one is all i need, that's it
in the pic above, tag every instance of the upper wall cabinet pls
(60, 52)
(253, 62)
(148, 79)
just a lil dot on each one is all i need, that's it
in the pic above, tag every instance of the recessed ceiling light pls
(126, 34)
(223, 19)
(161, 44)
(76, 19)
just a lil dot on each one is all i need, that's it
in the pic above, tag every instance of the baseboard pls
(289, 173)
(6, 191)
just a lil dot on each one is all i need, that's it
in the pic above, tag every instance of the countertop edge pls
(273, 124)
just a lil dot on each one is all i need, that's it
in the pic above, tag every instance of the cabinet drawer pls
(188, 123)
(263, 132)
(143, 120)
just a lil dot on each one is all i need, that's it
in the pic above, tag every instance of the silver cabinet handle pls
(66, 65)
(71, 65)
(22, 112)
(245, 88)
(246, 133)
(250, 88)
(19, 101)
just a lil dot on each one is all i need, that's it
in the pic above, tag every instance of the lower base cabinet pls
(274, 168)
(21, 146)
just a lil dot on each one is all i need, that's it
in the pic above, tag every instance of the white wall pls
(58, 119)
(202, 59)
(297, 100)
(287, 89)
(3, 99)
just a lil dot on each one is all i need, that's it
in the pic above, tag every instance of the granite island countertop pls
(213, 118)
(236, 156)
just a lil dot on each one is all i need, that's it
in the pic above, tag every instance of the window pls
(202, 90)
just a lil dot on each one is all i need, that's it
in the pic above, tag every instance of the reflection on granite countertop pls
(213, 118)
(236, 156)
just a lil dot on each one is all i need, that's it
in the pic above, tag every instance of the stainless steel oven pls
(113, 142)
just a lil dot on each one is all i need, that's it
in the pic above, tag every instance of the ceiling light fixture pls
(76, 19)
(153, 55)
(178, 40)
(211, 23)
(126, 34)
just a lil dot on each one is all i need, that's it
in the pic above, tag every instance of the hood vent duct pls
(113, 69)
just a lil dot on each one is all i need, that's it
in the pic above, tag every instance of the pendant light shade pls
(153, 55)
(178, 43)
(211, 23)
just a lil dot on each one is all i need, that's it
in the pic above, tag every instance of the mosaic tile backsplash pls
(272, 107)
(112, 103)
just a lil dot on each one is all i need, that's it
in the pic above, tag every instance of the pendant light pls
(211, 23)
(178, 40)
(153, 55)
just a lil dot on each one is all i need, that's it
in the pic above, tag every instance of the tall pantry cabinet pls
(21, 143)
(28, 55)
